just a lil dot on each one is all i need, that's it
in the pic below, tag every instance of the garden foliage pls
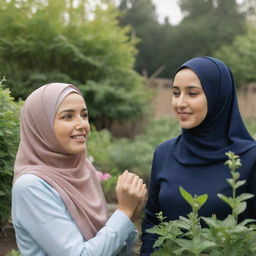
(9, 139)
(111, 154)
(14, 253)
(240, 56)
(78, 42)
(228, 237)
(202, 25)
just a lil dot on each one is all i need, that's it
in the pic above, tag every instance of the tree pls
(241, 57)
(71, 41)
(193, 9)
(207, 26)
(141, 16)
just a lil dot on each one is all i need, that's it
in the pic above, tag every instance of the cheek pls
(173, 102)
(205, 112)
(203, 109)
(61, 130)
(88, 128)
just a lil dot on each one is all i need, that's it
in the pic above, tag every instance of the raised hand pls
(131, 194)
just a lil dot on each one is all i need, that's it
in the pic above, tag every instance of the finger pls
(140, 182)
(144, 190)
(135, 181)
(125, 172)
(122, 176)
(129, 178)
(139, 185)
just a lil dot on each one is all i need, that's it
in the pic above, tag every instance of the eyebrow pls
(71, 111)
(187, 87)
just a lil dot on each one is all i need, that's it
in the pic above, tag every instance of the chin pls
(79, 151)
(76, 151)
(184, 125)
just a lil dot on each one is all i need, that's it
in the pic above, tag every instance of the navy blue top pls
(195, 159)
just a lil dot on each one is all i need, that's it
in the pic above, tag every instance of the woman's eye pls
(85, 115)
(67, 116)
(176, 93)
(193, 93)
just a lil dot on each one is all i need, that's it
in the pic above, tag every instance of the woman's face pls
(71, 124)
(189, 101)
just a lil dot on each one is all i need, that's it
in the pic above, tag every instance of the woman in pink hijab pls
(58, 207)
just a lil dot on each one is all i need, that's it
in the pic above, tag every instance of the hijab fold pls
(39, 153)
(222, 130)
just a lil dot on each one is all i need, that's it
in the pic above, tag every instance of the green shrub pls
(185, 237)
(99, 146)
(9, 139)
(116, 155)
(158, 131)
(13, 253)
(136, 154)
(109, 186)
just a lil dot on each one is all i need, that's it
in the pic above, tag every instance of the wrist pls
(128, 213)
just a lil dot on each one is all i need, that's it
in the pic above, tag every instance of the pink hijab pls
(39, 153)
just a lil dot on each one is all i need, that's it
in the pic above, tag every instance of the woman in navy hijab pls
(205, 103)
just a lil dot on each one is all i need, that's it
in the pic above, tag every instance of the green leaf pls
(227, 200)
(240, 183)
(187, 196)
(159, 242)
(247, 221)
(240, 208)
(244, 196)
(231, 182)
(211, 222)
(202, 199)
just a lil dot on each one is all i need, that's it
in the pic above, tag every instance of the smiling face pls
(71, 124)
(188, 101)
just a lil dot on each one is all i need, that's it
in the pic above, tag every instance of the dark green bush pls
(9, 139)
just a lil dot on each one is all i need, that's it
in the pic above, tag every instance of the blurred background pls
(122, 55)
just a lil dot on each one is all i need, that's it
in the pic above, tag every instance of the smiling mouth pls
(184, 115)
(79, 138)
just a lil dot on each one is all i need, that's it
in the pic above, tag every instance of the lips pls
(184, 115)
(79, 137)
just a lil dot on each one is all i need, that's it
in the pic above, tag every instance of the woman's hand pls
(131, 194)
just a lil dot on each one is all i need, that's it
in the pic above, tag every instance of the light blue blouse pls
(44, 227)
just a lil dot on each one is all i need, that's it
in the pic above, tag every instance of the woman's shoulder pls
(32, 183)
(249, 156)
(252, 151)
(28, 180)
(166, 145)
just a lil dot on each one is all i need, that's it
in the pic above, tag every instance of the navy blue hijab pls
(222, 129)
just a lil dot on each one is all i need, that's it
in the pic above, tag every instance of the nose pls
(81, 123)
(181, 101)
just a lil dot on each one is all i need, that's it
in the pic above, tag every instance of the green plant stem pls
(234, 195)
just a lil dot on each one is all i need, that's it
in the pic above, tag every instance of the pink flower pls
(103, 176)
